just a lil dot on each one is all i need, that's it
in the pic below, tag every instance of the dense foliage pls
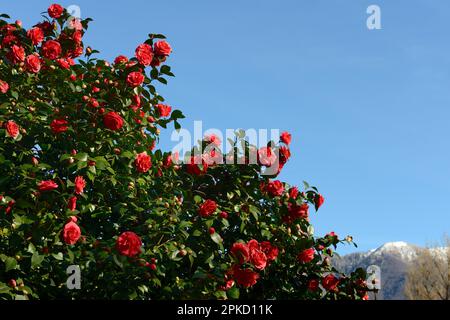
(82, 183)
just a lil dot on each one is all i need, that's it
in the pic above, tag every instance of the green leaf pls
(81, 165)
(216, 238)
(197, 233)
(162, 80)
(71, 255)
(81, 156)
(154, 73)
(174, 256)
(177, 114)
(19, 220)
(210, 259)
(306, 184)
(10, 263)
(220, 294)
(58, 256)
(254, 211)
(177, 125)
(36, 260)
(127, 154)
(233, 293)
(90, 176)
(31, 248)
(92, 170)
(4, 288)
(165, 69)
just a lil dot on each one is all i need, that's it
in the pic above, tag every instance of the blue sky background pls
(368, 110)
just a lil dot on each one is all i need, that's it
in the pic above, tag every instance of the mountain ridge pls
(393, 259)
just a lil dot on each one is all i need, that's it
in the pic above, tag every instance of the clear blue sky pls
(368, 110)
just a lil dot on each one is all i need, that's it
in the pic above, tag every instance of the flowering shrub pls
(82, 183)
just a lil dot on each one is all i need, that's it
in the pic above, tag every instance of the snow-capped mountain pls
(405, 251)
(393, 258)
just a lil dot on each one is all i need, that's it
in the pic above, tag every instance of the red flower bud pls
(12, 283)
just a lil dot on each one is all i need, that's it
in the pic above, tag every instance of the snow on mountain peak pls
(395, 245)
(405, 250)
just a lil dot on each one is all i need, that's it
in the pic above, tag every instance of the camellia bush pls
(82, 184)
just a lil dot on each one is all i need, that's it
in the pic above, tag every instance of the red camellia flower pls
(72, 203)
(46, 26)
(55, 11)
(128, 244)
(120, 59)
(9, 40)
(63, 63)
(135, 79)
(71, 232)
(12, 129)
(227, 286)
(313, 285)
(144, 54)
(330, 282)
(257, 256)
(285, 137)
(33, 63)
(74, 52)
(36, 35)
(113, 121)
(306, 255)
(269, 250)
(59, 126)
(293, 193)
(298, 211)
(77, 36)
(167, 161)
(266, 156)
(213, 139)
(47, 185)
(207, 208)
(245, 277)
(318, 201)
(3, 86)
(275, 188)
(80, 184)
(75, 24)
(51, 49)
(240, 251)
(193, 166)
(17, 54)
(162, 48)
(163, 110)
(143, 162)
(285, 154)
